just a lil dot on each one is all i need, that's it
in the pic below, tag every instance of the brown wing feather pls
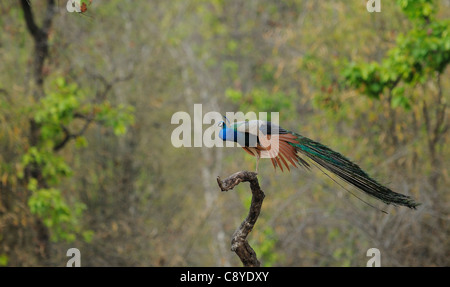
(281, 155)
(286, 152)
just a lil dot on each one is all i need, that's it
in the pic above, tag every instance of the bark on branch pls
(239, 243)
(40, 37)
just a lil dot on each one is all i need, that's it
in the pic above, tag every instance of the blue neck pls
(227, 134)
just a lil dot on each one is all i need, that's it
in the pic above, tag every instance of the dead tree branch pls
(239, 243)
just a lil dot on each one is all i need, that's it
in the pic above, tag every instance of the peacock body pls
(285, 148)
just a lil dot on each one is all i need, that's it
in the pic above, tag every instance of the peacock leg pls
(257, 162)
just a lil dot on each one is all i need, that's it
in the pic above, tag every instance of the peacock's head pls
(224, 131)
(223, 124)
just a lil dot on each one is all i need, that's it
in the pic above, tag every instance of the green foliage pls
(55, 113)
(366, 77)
(57, 108)
(117, 118)
(60, 107)
(4, 260)
(418, 10)
(423, 51)
(53, 167)
(50, 205)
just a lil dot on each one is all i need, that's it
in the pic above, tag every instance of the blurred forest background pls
(86, 101)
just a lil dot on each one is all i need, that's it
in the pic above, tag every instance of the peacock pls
(263, 139)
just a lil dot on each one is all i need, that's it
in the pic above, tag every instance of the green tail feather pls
(349, 172)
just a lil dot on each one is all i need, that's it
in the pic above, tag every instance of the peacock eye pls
(220, 124)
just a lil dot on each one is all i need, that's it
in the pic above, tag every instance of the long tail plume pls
(349, 172)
